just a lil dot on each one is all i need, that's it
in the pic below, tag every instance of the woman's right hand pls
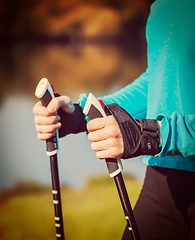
(46, 119)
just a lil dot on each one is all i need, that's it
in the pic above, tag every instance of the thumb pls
(64, 102)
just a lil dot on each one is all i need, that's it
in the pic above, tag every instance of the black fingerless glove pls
(71, 122)
(137, 140)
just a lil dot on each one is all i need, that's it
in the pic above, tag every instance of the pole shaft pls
(93, 109)
(129, 216)
(45, 93)
(56, 198)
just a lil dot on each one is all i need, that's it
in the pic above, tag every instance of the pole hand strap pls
(139, 137)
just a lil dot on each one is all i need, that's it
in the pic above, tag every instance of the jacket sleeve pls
(177, 135)
(133, 97)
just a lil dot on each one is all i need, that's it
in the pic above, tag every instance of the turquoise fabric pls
(166, 90)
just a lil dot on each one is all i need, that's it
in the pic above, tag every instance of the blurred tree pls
(24, 24)
(20, 18)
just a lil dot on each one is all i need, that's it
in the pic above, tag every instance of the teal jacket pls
(166, 90)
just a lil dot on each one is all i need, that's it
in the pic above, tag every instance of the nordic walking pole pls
(93, 109)
(45, 93)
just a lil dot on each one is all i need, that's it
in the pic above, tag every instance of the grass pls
(93, 212)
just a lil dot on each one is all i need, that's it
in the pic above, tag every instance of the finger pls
(104, 154)
(98, 135)
(108, 153)
(99, 146)
(47, 128)
(40, 110)
(96, 124)
(42, 120)
(111, 143)
(63, 101)
(107, 132)
(45, 136)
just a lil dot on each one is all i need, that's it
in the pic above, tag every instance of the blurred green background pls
(93, 212)
(93, 46)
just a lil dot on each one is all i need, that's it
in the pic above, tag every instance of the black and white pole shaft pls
(93, 109)
(45, 93)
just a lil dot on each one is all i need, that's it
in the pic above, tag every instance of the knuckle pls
(115, 133)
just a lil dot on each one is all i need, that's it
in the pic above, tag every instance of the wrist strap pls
(150, 140)
(137, 140)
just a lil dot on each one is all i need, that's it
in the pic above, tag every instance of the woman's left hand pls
(106, 137)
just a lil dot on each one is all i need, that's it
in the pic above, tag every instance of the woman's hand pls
(106, 137)
(46, 119)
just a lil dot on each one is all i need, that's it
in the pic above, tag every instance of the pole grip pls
(93, 109)
(45, 93)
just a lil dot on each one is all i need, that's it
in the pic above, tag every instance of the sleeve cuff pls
(164, 133)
